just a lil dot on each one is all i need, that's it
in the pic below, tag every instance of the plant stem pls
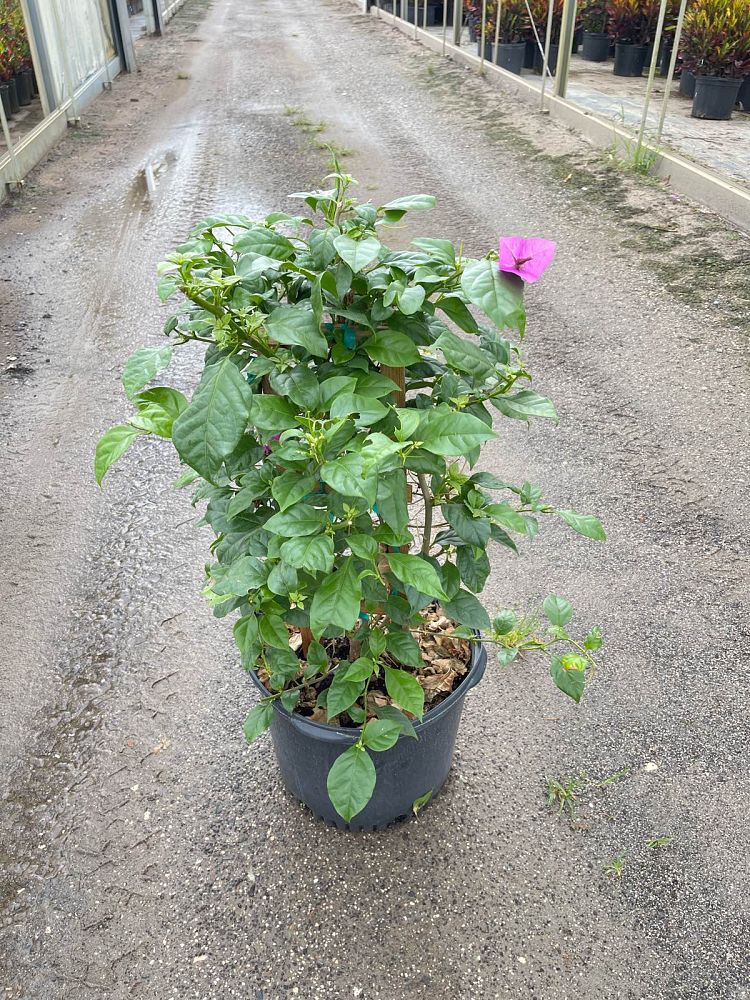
(427, 534)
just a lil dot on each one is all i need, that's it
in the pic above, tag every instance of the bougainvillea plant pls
(347, 391)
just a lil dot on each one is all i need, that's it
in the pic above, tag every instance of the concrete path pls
(145, 851)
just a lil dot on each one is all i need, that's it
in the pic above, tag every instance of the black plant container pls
(23, 87)
(510, 56)
(743, 98)
(551, 65)
(715, 97)
(629, 59)
(5, 98)
(306, 750)
(15, 107)
(434, 13)
(595, 46)
(687, 84)
(528, 55)
(577, 40)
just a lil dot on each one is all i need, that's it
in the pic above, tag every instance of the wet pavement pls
(145, 851)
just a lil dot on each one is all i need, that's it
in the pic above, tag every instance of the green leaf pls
(243, 575)
(212, 426)
(299, 384)
(172, 401)
(464, 356)
(593, 640)
(558, 610)
(570, 681)
(357, 253)
(411, 299)
(497, 294)
(389, 347)
(419, 803)
(316, 657)
(272, 414)
(296, 324)
(274, 632)
(290, 699)
(359, 670)
(405, 648)
(111, 446)
(473, 530)
(302, 519)
(345, 476)
(336, 602)
(166, 286)
(504, 622)
(351, 782)
(312, 552)
(370, 410)
(288, 488)
(584, 524)
(524, 405)
(410, 203)
(144, 365)
(453, 433)
(153, 419)
(258, 720)
(394, 714)
(474, 567)
(405, 691)
(342, 693)
(455, 309)
(392, 506)
(467, 610)
(266, 242)
(442, 250)
(363, 546)
(246, 636)
(381, 734)
(414, 571)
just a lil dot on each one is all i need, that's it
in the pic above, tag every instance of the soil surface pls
(145, 851)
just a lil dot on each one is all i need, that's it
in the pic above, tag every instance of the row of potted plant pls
(715, 52)
(17, 83)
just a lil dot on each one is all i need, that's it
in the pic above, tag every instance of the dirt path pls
(146, 852)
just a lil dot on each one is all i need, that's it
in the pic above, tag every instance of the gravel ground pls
(145, 851)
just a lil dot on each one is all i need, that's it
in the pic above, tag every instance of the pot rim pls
(473, 676)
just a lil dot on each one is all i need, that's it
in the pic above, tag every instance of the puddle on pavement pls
(145, 186)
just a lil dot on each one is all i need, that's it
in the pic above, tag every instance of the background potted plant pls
(595, 34)
(716, 48)
(511, 30)
(629, 26)
(540, 11)
(332, 436)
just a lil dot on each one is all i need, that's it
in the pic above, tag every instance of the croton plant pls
(346, 393)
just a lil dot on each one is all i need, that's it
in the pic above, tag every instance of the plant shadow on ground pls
(699, 258)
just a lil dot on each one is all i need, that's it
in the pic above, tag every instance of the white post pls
(547, 42)
(498, 14)
(651, 74)
(40, 82)
(481, 38)
(670, 74)
(103, 40)
(445, 22)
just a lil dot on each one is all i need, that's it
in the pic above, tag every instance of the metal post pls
(481, 42)
(565, 48)
(103, 39)
(547, 41)
(651, 74)
(458, 21)
(445, 22)
(67, 74)
(670, 74)
(416, 17)
(9, 144)
(40, 82)
(424, 18)
(498, 14)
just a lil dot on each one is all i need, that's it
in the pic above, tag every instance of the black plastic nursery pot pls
(23, 87)
(528, 55)
(306, 750)
(595, 46)
(5, 98)
(552, 64)
(629, 59)
(15, 107)
(743, 97)
(434, 13)
(510, 56)
(715, 97)
(687, 84)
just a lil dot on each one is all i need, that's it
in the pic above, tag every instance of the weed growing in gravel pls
(616, 866)
(561, 793)
(612, 779)
(656, 842)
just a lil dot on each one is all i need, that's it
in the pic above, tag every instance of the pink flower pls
(529, 259)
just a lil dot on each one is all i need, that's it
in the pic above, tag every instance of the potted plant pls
(540, 12)
(333, 436)
(595, 34)
(716, 47)
(629, 26)
(510, 34)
